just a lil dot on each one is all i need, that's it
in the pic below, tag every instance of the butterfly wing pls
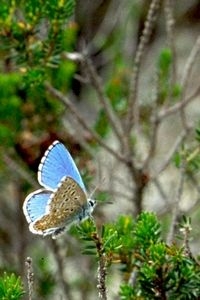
(66, 206)
(35, 204)
(55, 164)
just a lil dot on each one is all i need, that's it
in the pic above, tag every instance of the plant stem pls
(101, 276)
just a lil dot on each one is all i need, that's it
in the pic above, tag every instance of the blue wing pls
(35, 204)
(55, 164)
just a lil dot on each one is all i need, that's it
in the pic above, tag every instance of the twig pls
(30, 277)
(61, 268)
(194, 181)
(175, 212)
(170, 37)
(153, 144)
(133, 112)
(58, 95)
(16, 168)
(105, 102)
(160, 189)
(189, 64)
(98, 87)
(107, 26)
(176, 107)
(186, 229)
(170, 154)
(101, 276)
(186, 78)
(154, 126)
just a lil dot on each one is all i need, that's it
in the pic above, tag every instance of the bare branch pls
(175, 212)
(98, 87)
(189, 65)
(60, 261)
(58, 95)
(195, 182)
(101, 278)
(133, 112)
(105, 102)
(160, 189)
(176, 107)
(153, 127)
(153, 144)
(102, 264)
(170, 37)
(30, 277)
(17, 169)
(170, 154)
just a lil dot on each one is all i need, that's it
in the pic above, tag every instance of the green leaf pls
(165, 60)
(11, 287)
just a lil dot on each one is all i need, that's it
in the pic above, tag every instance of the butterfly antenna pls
(97, 187)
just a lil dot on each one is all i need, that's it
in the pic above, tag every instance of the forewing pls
(64, 207)
(55, 164)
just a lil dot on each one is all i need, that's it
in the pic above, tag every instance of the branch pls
(67, 103)
(175, 212)
(160, 189)
(170, 37)
(30, 277)
(178, 106)
(61, 268)
(189, 64)
(98, 87)
(101, 278)
(153, 142)
(170, 154)
(154, 126)
(16, 168)
(133, 105)
(105, 102)
(101, 268)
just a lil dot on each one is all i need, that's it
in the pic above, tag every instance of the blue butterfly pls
(63, 201)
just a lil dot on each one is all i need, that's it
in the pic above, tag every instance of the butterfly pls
(63, 199)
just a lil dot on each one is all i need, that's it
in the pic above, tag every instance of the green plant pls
(11, 287)
(151, 269)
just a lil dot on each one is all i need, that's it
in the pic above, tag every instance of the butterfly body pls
(63, 201)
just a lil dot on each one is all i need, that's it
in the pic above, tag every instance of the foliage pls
(11, 287)
(152, 269)
(32, 42)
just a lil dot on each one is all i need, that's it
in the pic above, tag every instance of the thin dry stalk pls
(179, 105)
(105, 102)
(168, 9)
(30, 277)
(189, 66)
(175, 212)
(170, 154)
(133, 102)
(61, 269)
(186, 78)
(97, 84)
(15, 167)
(101, 272)
(154, 126)
(101, 278)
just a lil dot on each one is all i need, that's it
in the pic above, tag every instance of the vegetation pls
(111, 81)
